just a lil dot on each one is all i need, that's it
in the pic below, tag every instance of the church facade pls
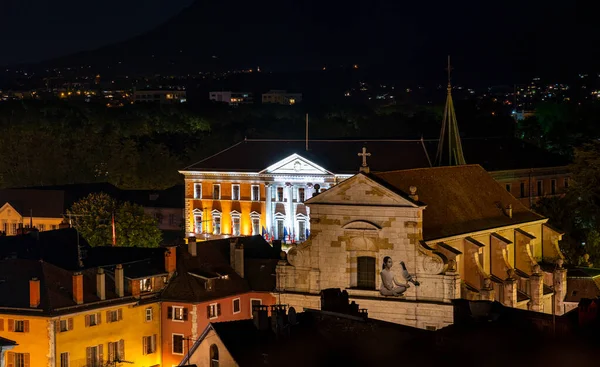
(450, 232)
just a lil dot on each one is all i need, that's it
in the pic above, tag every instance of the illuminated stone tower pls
(449, 147)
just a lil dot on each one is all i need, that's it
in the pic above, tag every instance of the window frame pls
(151, 313)
(182, 319)
(173, 344)
(145, 289)
(257, 196)
(255, 299)
(301, 198)
(254, 219)
(522, 190)
(239, 192)
(540, 188)
(508, 187)
(370, 272)
(68, 357)
(235, 215)
(198, 214)
(95, 316)
(279, 189)
(196, 191)
(214, 313)
(233, 305)
(216, 215)
(21, 329)
(213, 191)
(213, 352)
(60, 325)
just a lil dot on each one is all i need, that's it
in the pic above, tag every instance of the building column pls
(290, 208)
(268, 208)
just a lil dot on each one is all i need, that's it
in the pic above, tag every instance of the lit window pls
(213, 310)
(198, 223)
(255, 193)
(216, 224)
(198, 191)
(146, 285)
(149, 346)
(280, 194)
(302, 230)
(255, 226)
(236, 225)
(178, 313)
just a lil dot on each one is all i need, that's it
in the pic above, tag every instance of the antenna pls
(307, 132)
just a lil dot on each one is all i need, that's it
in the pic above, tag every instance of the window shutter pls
(1, 324)
(218, 309)
(10, 357)
(100, 353)
(119, 314)
(111, 349)
(88, 355)
(26, 326)
(153, 343)
(25, 359)
(108, 317)
(185, 314)
(144, 345)
(70, 324)
(11, 325)
(57, 326)
(87, 320)
(99, 318)
(122, 350)
(170, 313)
(208, 312)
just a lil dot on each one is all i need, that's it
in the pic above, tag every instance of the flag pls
(264, 231)
(285, 233)
(293, 235)
(114, 231)
(307, 233)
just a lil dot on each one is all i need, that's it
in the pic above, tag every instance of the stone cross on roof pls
(364, 168)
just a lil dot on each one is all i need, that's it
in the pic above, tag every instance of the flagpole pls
(114, 231)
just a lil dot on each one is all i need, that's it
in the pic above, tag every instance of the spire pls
(454, 153)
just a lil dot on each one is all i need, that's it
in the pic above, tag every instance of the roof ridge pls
(340, 140)
(429, 168)
(222, 151)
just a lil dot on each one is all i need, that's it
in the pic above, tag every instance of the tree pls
(93, 217)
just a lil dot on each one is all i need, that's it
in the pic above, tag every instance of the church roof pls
(340, 156)
(459, 199)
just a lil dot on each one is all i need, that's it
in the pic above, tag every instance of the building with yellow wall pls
(82, 318)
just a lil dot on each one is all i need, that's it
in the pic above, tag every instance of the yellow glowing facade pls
(11, 220)
(31, 333)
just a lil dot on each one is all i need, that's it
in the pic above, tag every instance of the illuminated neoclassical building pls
(261, 183)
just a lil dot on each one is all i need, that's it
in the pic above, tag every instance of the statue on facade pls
(389, 285)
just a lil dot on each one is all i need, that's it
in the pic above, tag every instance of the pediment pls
(362, 225)
(361, 190)
(8, 211)
(296, 165)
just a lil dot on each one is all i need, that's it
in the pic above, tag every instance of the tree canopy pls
(93, 216)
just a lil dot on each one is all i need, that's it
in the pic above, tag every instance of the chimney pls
(260, 316)
(78, 288)
(119, 281)
(192, 249)
(34, 292)
(171, 259)
(413, 193)
(236, 256)
(509, 210)
(101, 284)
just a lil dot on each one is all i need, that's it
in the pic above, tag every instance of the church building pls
(405, 243)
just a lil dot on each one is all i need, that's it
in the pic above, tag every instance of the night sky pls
(495, 40)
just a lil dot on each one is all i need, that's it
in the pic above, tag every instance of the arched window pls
(366, 272)
(214, 356)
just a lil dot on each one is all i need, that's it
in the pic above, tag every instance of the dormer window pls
(146, 285)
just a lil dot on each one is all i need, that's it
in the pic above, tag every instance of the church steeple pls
(450, 141)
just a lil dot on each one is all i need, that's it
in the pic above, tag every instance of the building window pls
(17, 359)
(19, 326)
(430, 328)
(114, 315)
(540, 189)
(159, 218)
(198, 223)
(214, 356)
(116, 351)
(171, 219)
(54, 227)
(178, 313)
(255, 226)
(255, 193)
(280, 194)
(553, 187)
(41, 227)
(149, 344)
(235, 192)
(177, 344)
(64, 326)
(236, 224)
(522, 189)
(93, 356)
(302, 230)
(14, 228)
(64, 359)
(566, 182)
(216, 224)
(301, 196)
(92, 319)
(213, 310)
(366, 272)
(146, 285)
(280, 229)
(236, 305)
(149, 314)
(508, 187)
(254, 302)
(217, 192)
